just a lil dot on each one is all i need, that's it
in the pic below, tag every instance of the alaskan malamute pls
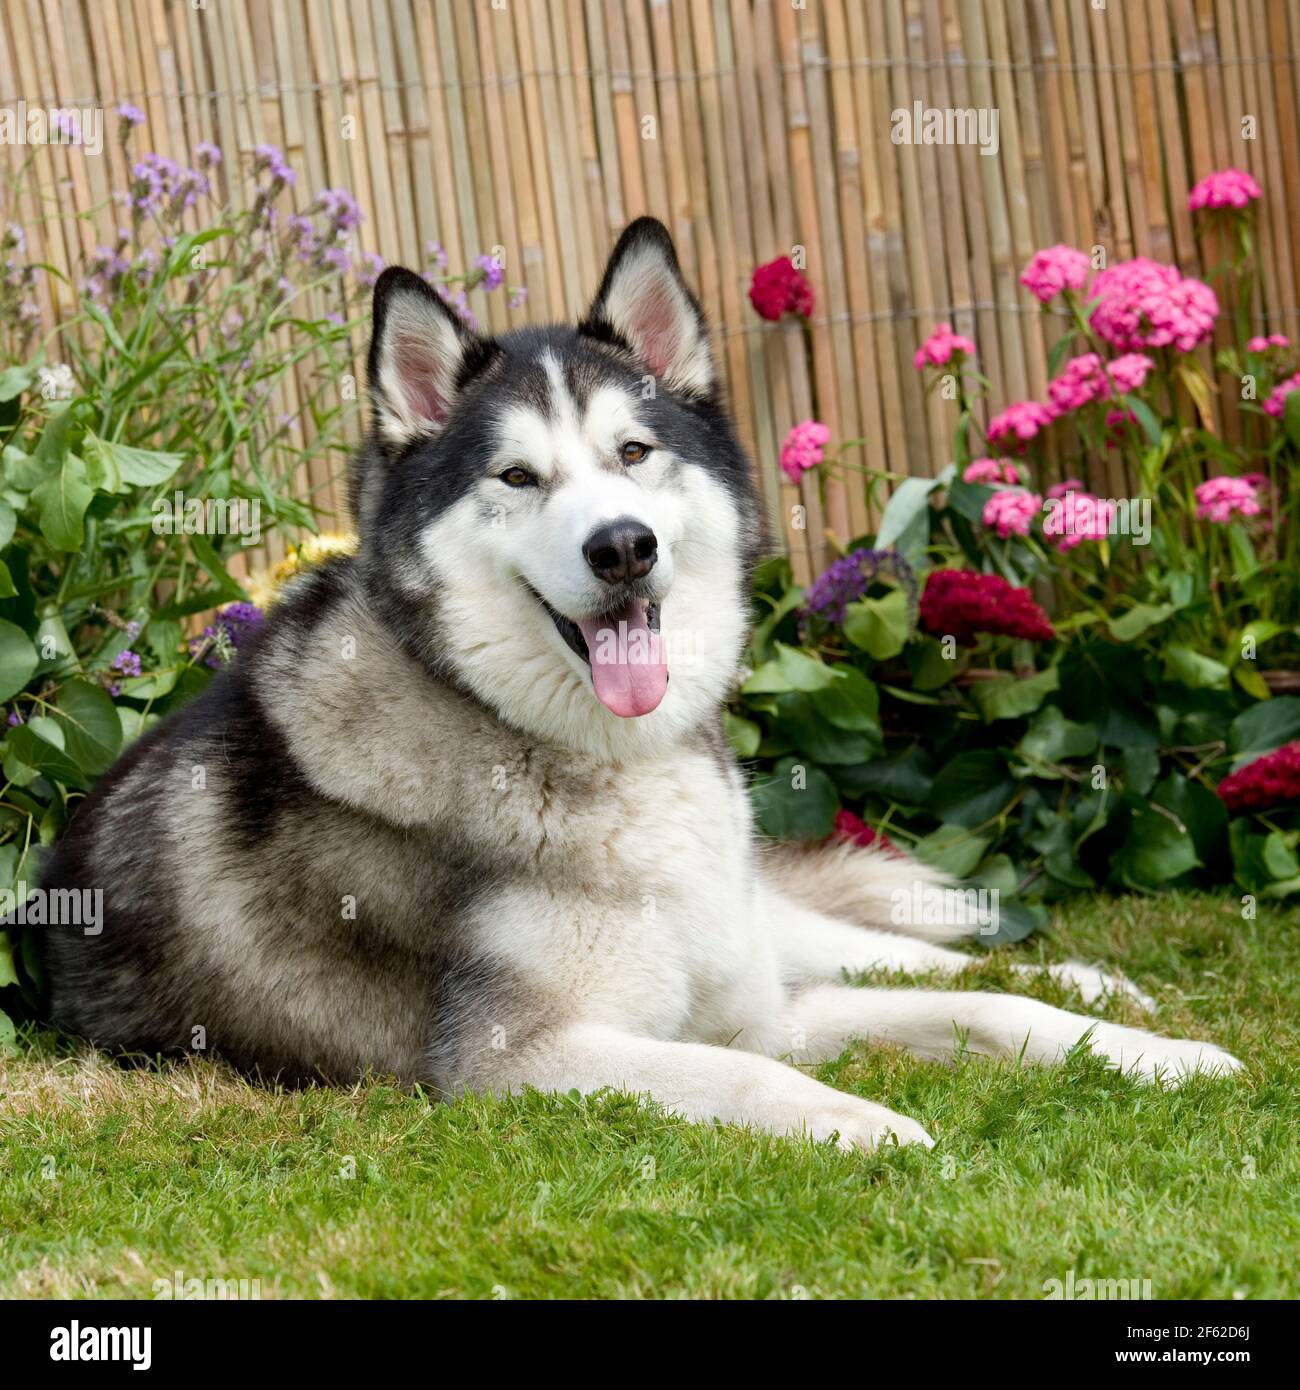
(464, 812)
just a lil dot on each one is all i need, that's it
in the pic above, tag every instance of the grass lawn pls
(112, 1178)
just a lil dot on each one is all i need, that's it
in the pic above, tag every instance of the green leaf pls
(929, 667)
(1139, 767)
(880, 626)
(8, 523)
(1156, 851)
(1245, 564)
(205, 553)
(1015, 921)
(92, 731)
(790, 669)
(952, 849)
(796, 801)
(972, 788)
(1193, 669)
(8, 975)
(121, 465)
(905, 777)
(909, 502)
(1145, 417)
(26, 472)
(743, 734)
(17, 659)
(15, 380)
(822, 741)
(1265, 726)
(851, 701)
(1139, 619)
(63, 501)
(35, 752)
(1052, 738)
(1012, 699)
(1260, 861)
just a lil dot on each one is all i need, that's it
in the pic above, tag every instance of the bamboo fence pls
(753, 128)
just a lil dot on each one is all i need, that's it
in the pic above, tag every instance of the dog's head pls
(561, 519)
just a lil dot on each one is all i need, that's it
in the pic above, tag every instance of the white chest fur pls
(641, 908)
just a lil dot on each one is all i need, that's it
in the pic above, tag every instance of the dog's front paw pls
(1172, 1061)
(861, 1124)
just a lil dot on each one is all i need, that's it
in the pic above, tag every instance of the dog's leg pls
(813, 947)
(818, 1022)
(702, 1083)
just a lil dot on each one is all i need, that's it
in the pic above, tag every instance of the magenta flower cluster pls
(804, 448)
(940, 347)
(1226, 188)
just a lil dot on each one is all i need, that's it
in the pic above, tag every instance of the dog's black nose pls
(623, 550)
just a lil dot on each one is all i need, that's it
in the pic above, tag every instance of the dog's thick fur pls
(402, 832)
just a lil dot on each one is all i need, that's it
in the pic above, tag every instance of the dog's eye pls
(632, 452)
(518, 477)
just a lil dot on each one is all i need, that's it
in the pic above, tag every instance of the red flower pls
(960, 603)
(1268, 781)
(853, 830)
(778, 288)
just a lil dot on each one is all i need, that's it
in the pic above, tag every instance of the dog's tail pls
(871, 887)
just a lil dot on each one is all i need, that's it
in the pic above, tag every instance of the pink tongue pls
(629, 667)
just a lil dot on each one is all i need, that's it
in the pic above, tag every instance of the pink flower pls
(1129, 372)
(1069, 485)
(1077, 517)
(1143, 305)
(1227, 188)
(1081, 383)
(1053, 269)
(803, 448)
(1274, 340)
(1218, 499)
(1018, 424)
(1011, 511)
(1276, 402)
(939, 347)
(992, 471)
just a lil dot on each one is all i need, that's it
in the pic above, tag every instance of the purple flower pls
(492, 272)
(272, 160)
(132, 630)
(436, 254)
(337, 258)
(370, 269)
(518, 297)
(129, 115)
(209, 155)
(126, 663)
(15, 718)
(848, 578)
(219, 641)
(340, 205)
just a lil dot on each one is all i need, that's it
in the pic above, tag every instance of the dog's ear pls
(420, 350)
(643, 304)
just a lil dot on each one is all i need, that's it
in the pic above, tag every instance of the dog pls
(464, 813)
